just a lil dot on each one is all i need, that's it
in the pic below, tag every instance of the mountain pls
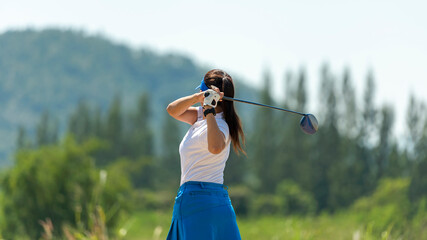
(52, 70)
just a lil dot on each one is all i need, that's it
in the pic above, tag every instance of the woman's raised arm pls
(181, 109)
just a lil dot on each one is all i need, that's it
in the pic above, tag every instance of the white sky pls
(247, 37)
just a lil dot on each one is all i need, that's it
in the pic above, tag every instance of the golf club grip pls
(262, 105)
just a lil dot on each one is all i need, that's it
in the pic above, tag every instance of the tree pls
(363, 170)
(292, 156)
(348, 119)
(169, 168)
(385, 143)
(418, 186)
(415, 120)
(301, 142)
(369, 113)
(81, 123)
(263, 142)
(289, 89)
(301, 93)
(113, 132)
(60, 183)
(418, 131)
(350, 187)
(398, 163)
(22, 142)
(47, 130)
(327, 167)
(139, 136)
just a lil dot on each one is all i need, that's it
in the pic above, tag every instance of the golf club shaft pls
(262, 105)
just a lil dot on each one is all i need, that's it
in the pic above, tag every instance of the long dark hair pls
(224, 82)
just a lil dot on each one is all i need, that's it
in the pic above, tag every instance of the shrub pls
(387, 208)
(153, 200)
(240, 196)
(61, 184)
(294, 200)
(419, 221)
(268, 204)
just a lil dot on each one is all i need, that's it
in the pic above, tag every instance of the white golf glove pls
(211, 98)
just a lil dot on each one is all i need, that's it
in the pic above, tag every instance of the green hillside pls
(52, 70)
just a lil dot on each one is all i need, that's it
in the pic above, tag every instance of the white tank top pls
(197, 163)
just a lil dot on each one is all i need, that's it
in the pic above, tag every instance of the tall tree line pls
(125, 136)
(353, 150)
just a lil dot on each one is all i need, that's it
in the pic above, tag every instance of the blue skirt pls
(203, 210)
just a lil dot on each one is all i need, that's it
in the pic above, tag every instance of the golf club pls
(308, 122)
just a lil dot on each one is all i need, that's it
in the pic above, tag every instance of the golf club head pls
(309, 124)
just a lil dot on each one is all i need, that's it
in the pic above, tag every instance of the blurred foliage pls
(387, 208)
(242, 198)
(62, 184)
(121, 153)
(55, 69)
(52, 70)
(288, 199)
(148, 199)
(294, 199)
(266, 204)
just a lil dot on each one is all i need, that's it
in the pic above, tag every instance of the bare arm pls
(216, 139)
(181, 109)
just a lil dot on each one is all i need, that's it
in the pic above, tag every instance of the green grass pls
(296, 228)
(147, 225)
(150, 225)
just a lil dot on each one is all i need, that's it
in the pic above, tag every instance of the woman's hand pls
(199, 97)
(221, 94)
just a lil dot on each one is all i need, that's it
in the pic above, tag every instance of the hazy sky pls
(248, 37)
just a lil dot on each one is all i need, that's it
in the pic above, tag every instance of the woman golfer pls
(202, 209)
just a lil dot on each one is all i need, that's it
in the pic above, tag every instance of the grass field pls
(150, 225)
(386, 215)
